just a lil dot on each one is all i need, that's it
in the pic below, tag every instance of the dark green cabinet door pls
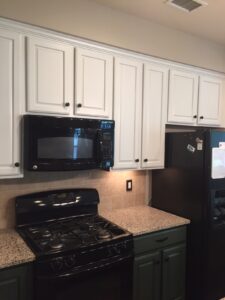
(16, 283)
(147, 276)
(173, 273)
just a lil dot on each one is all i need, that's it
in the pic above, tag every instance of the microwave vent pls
(187, 5)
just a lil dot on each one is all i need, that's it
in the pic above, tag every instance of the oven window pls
(78, 144)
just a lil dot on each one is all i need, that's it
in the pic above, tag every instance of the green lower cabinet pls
(159, 265)
(16, 283)
(173, 273)
(147, 276)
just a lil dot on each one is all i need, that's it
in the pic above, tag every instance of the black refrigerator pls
(192, 185)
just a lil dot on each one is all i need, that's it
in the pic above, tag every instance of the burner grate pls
(72, 233)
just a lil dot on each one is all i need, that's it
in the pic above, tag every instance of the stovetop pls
(64, 223)
(71, 233)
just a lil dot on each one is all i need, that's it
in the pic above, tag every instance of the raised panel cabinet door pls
(146, 284)
(127, 113)
(210, 101)
(173, 274)
(154, 115)
(16, 283)
(10, 85)
(94, 83)
(183, 97)
(50, 70)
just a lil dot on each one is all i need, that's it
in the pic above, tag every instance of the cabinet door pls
(173, 283)
(210, 101)
(10, 77)
(183, 97)
(154, 115)
(50, 67)
(127, 113)
(16, 283)
(147, 277)
(94, 83)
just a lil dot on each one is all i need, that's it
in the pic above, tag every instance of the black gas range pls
(80, 255)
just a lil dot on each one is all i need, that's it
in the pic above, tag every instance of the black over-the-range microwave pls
(63, 143)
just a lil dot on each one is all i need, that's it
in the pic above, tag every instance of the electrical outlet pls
(129, 185)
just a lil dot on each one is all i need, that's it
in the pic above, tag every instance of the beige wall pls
(110, 185)
(90, 20)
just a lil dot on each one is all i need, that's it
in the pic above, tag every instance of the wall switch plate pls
(129, 185)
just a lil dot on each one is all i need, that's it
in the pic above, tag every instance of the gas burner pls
(56, 245)
(45, 233)
(103, 234)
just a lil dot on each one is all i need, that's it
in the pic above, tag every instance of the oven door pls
(111, 282)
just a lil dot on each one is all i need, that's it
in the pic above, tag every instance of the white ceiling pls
(207, 22)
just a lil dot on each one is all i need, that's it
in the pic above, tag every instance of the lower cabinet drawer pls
(159, 239)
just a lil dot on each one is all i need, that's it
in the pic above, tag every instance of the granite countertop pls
(143, 219)
(13, 250)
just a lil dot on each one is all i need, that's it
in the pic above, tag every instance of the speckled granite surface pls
(143, 219)
(13, 250)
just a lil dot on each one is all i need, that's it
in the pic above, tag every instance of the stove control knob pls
(57, 265)
(124, 246)
(116, 250)
(70, 261)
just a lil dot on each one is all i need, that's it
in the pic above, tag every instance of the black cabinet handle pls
(157, 262)
(201, 117)
(137, 160)
(79, 105)
(162, 240)
(145, 160)
(17, 164)
(195, 116)
(67, 104)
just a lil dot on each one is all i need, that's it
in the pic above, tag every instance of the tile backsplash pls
(110, 185)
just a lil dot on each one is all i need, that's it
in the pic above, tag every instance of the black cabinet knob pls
(17, 164)
(137, 160)
(201, 117)
(157, 262)
(167, 259)
(145, 160)
(67, 104)
(195, 116)
(79, 105)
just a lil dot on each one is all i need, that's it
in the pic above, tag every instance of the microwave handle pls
(99, 146)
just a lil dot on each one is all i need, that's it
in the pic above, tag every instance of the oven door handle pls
(90, 268)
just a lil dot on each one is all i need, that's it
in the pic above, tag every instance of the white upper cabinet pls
(210, 101)
(50, 69)
(195, 98)
(10, 76)
(94, 83)
(127, 113)
(154, 115)
(183, 97)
